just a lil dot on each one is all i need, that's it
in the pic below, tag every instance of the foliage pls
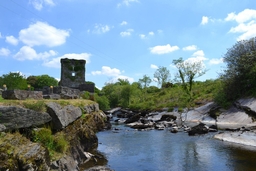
(52, 143)
(162, 74)
(45, 80)
(145, 81)
(153, 98)
(187, 72)
(239, 79)
(14, 81)
(103, 102)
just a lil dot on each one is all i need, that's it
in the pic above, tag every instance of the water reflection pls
(161, 150)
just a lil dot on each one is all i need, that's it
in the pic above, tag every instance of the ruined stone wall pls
(72, 72)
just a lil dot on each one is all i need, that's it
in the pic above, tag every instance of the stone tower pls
(72, 72)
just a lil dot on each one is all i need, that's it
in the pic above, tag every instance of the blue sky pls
(120, 38)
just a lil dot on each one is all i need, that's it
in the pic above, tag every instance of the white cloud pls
(153, 66)
(127, 2)
(205, 20)
(142, 36)
(216, 61)
(123, 23)
(28, 53)
(246, 21)
(198, 55)
(123, 77)
(41, 33)
(12, 40)
(4, 52)
(113, 73)
(190, 48)
(242, 17)
(0, 35)
(105, 70)
(55, 62)
(151, 33)
(38, 4)
(100, 29)
(126, 33)
(163, 49)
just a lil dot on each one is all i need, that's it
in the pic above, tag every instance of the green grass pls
(175, 96)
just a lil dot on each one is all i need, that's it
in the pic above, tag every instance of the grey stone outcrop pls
(62, 116)
(91, 108)
(22, 94)
(13, 117)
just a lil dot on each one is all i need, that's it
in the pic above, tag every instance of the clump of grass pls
(54, 143)
(38, 106)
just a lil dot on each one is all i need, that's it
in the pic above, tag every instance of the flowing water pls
(131, 150)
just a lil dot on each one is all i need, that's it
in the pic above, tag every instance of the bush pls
(53, 143)
(103, 102)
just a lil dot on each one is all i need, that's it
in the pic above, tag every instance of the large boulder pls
(66, 92)
(134, 118)
(62, 116)
(22, 94)
(199, 129)
(13, 117)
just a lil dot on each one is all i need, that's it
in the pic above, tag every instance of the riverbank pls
(236, 124)
(49, 134)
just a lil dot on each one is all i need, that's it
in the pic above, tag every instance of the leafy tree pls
(187, 72)
(145, 81)
(45, 80)
(112, 92)
(14, 80)
(239, 79)
(122, 81)
(32, 80)
(126, 93)
(162, 74)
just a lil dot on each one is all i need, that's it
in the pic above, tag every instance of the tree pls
(32, 80)
(187, 72)
(14, 80)
(162, 75)
(145, 81)
(45, 80)
(240, 76)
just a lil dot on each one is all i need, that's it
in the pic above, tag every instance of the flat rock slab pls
(249, 103)
(13, 117)
(245, 138)
(233, 118)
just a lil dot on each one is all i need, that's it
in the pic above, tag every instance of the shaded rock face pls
(133, 118)
(18, 153)
(62, 116)
(199, 129)
(22, 94)
(16, 117)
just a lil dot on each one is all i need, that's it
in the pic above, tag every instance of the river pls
(127, 149)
